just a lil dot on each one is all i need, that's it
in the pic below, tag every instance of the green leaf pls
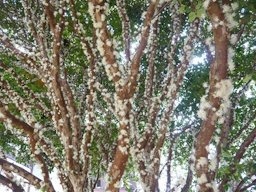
(247, 78)
(200, 12)
(192, 16)
(182, 8)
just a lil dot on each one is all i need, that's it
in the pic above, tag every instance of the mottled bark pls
(219, 71)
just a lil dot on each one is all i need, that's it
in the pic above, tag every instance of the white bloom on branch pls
(234, 6)
(2, 115)
(226, 8)
(4, 38)
(97, 25)
(206, 4)
(202, 179)
(213, 164)
(202, 161)
(224, 89)
(204, 106)
(233, 39)
(123, 149)
(229, 16)
(231, 54)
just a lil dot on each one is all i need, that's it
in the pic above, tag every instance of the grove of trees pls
(131, 90)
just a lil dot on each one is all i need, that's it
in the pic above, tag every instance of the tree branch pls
(28, 62)
(238, 156)
(219, 71)
(11, 167)
(135, 63)
(10, 184)
(126, 27)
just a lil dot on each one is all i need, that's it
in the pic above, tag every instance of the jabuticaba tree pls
(108, 88)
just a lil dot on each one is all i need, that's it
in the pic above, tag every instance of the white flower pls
(231, 54)
(233, 39)
(201, 162)
(224, 89)
(2, 115)
(202, 179)
(234, 6)
(213, 164)
(206, 4)
(204, 105)
(226, 8)
(97, 25)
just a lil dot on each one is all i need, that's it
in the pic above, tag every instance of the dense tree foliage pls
(132, 89)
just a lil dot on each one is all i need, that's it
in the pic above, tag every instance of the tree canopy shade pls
(129, 89)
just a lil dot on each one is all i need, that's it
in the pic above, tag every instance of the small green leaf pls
(199, 6)
(247, 78)
(191, 16)
(200, 12)
(182, 8)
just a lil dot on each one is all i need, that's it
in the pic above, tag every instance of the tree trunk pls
(78, 183)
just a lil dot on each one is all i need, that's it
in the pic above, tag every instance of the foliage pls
(115, 88)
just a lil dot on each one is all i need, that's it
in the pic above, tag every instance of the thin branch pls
(39, 104)
(10, 184)
(8, 166)
(242, 182)
(126, 27)
(238, 156)
(253, 183)
(49, 11)
(189, 179)
(5, 115)
(28, 62)
(245, 127)
(104, 42)
(40, 160)
(135, 63)
(243, 147)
